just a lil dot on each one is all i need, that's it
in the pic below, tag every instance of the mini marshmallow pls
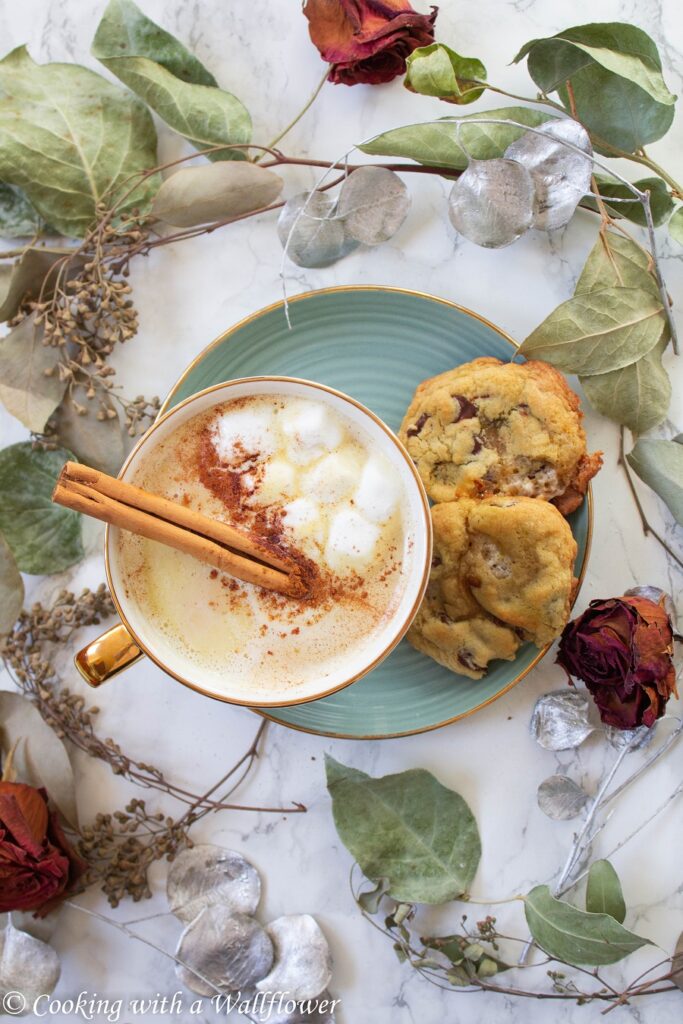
(244, 431)
(311, 430)
(379, 490)
(302, 517)
(351, 540)
(334, 476)
(278, 483)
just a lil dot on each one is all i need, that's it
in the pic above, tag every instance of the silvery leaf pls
(205, 875)
(231, 950)
(561, 176)
(303, 963)
(314, 236)
(492, 202)
(28, 968)
(373, 202)
(633, 738)
(656, 594)
(268, 1010)
(560, 798)
(559, 720)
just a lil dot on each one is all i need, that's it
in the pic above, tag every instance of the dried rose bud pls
(367, 40)
(622, 650)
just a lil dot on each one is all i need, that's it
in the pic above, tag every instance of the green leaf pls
(598, 331)
(659, 464)
(11, 588)
(174, 84)
(636, 396)
(676, 225)
(18, 219)
(603, 891)
(617, 262)
(40, 757)
(44, 538)
(407, 828)
(435, 144)
(574, 936)
(70, 139)
(30, 386)
(210, 192)
(661, 204)
(436, 70)
(616, 77)
(33, 276)
(97, 443)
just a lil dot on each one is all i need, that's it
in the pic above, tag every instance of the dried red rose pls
(367, 40)
(38, 868)
(622, 650)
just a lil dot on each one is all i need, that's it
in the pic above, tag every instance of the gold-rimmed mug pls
(135, 635)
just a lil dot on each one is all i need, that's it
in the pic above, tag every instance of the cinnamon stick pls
(149, 515)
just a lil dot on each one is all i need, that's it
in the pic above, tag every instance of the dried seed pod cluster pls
(281, 971)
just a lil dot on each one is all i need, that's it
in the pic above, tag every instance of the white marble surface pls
(187, 294)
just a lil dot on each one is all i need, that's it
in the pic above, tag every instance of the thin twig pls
(647, 528)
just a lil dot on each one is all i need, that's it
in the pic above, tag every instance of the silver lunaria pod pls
(276, 1010)
(632, 738)
(311, 230)
(560, 720)
(492, 202)
(561, 798)
(561, 176)
(373, 203)
(232, 951)
(303, 963)
(28, 966)
(208, 874)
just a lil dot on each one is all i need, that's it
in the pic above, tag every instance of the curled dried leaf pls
(205, 875)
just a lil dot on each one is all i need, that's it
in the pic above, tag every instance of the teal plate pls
(376, 344)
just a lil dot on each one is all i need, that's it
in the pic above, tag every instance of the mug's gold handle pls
(108, 655)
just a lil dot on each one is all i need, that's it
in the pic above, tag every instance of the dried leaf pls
(660, 465)
(561, 176)
(373, 203)
(44, 537)
(28, 968)
(676, 225)
(159, 69)
(11, 588)
(560, 798)
(407, 828)
(560, 720)
(436, 70)
(603, 891)
(303, 962)
(637, 396)
(598, 331)
(370, 900)
(34, 276)
(314, 236)
(437, 143)
(40, 758)
(211, 192)
(97, 443)
(18, 219)
(205, 875)
(574, 936)
(661, 204)
(64, 130)
(30, 386)
(616, 261)
(231, 950)
(492, 202)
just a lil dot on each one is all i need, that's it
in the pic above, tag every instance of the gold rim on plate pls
(475, 316)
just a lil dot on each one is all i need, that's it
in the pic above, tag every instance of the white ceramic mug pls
(136, 634)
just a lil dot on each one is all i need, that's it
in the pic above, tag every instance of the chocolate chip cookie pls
(502, 574)
(489, 427)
